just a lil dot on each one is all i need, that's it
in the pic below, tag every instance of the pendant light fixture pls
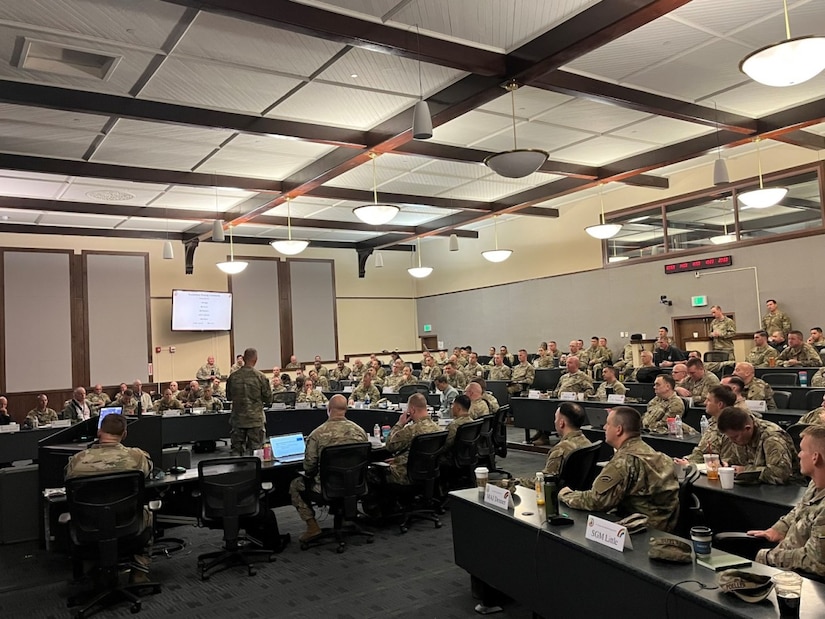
(763, 197)
(419, 272)
(379, 260)
(289, 247)
(720, 167)
(375, 214)
(518, 162)
(787, 63)
(232, 266)
(722, 239)
(496, 255)
(422, 127)
(453, 242)
(603, 230)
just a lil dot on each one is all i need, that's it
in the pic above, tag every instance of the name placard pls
(607, 533)
(348, 389)
(10, 428)
(301, 405)
(498, 497)
(568, 395)
(62, 423)
(756, 406)
(176, 413)
(615, 398)
(534, 394)
(278, 406)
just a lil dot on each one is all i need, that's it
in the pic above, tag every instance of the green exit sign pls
(700, 301)
(428, 328)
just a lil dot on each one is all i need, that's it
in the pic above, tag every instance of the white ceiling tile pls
(806, 18)
(362, 8)
(78, 220)
(417, 184)
(600, 150)
(470, 127)
(129, 186)
(361, 177)
(86, 192)
(18, 216)
(662, 130)
(298, 209)
(457, 169)
(201, 198)
(30, 188)
(484, 190)
(254, 163)
(339, 212)
(414, 219)
(38, 116)
(351, 236)
(44, 140)
(153, 224)
(34, 176)
(534, 135)
(530, 102)
(592, 116)
(753, 99)
(724, 17)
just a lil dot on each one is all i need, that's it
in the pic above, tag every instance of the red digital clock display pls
(698, 265)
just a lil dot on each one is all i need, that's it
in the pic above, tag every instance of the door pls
(429, 342)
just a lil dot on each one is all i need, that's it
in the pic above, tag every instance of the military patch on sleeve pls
(605, 479)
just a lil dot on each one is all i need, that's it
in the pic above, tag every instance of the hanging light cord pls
(759, 164)
(495, 229)
(787, 20)
(512, 88)
(601, 202)
(288, 220)
(419, 252)
(718, 144)
(418, 41)
(231, 246)
(374, 180)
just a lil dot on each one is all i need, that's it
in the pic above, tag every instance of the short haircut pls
(129, 392)
(481, 382)
(733, 418)
(249, 354)
(665, 329)
(573, 413)
(761, 333)
(817, 329)
(771, 301)
(594, 337)
(817, 434)
(441, 379)
(735, 380)
(522, 350)
(114, 425)
(609, 367)
(724, 394)
(629, 419)
(796, 333)
(668, 379)
(463, 402)
(695, 363)
(450, 364)
(417, 400)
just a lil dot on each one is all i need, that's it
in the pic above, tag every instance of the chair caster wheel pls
(438, 525)
(304, 546)
(272, 557)
(252, 571)
(370, 540)
(404, 529)
(340, 549)
(135, 608)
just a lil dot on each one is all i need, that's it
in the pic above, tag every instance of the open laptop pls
(108, 410)
(596, 417)
(288, 447)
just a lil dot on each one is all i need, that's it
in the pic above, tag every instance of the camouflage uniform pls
(207, 372)
(479, 408)
(399, 443)
(637, 479)
(322, 371)
(313, 397)
(342, 374)
(770, 451)
(710, 443)
(472, 370)
(598, 357)
(457, 380)
(162, 405)
(618, 389)
(802, 548)
(547, 361)
(758, 389)
(322, 382)
(394, 381)
(235, 367)
(699, 389)
(499, 372)
(211, 404)
(805, 354)
(279, 389)
(759, 355)
(777, 321)
(129, 409)
(491, 401)
(452, 430)
(727, 328)
(813, 417)
(522, 373)
(659, 409)
(250, 392)
(356, 374)
(818, 379)
(43, 417)
(97, 401)
(625, 362)
(429, 374)
(577, 383)
(293, 366)
(360, 393)
(331, 432)
(571, 441)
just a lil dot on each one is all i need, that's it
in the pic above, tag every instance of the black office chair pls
(423, 473)
(813, 399)
(417, 372)
(782, 398)
(690, 510)
(287, 398)
(484, 359)
(343, 477)
(578, 470)
(462, 458)
(334, 385)
(487, 446)
(715, 356)
(407, 390)
(500, 430)
(107, 524)
(229, 489)
(795, 431)
(781, 379)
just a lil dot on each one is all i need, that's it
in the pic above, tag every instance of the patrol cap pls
(636, 337)
(746, 586)
(634, 522)
(669, 549)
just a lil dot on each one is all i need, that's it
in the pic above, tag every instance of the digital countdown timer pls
(698, 265)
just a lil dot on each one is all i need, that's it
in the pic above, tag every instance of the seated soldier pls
(698, 382)
(488, 397)
(408, 376)
(41, 414)
(365, 390)
(798, 353)
(128, 403)
(755, 388)
(737, 385)
(395, 379)
(523, 374)
(761, 354)
(429, 370)
(818, 379)
(277, 384)
(718, 399)
(168, 402)
(816, 416)
(665, 404)
(454, 376)
(499, 371)
(799, 533)
(637, 478)
(478, 405)
(207, 401)
(97, 399)
(318, 380)
(311, 395)
(609, 381)
(460, 415)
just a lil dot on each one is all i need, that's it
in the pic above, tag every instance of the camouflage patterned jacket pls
(331, 432)
(250, 393)
(429, 374)
(43, 417)
(491, 400)
(360, 393)
(547, 361)
(473, 370)
(452, 430)
(577, 383)
(818, 379)
(457, 380)
(571, 441)
(777, 321)
(727, 328)
(699, 389)
(313, 397)
(759, 355)
(479, 408)
(108, 458)
(97, 401)
(710, 443)
(523, 373)
(659, 409)
(805, 354)
(342, 374)
(618, 389)
(499, 372)
(813, 417)
(758, 389)
(162, 405)
(770, 451)
(637, 479)
(399, 443)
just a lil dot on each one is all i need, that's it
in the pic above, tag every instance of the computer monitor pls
(108, 410)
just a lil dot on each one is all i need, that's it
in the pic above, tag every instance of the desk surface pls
(22, 445)
(522, 554)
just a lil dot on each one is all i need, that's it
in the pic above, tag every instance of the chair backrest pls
(485, 439)
(334, 385)
(484, 359)
(794, 431)
(690, 511)
(717, 356)
(813, 399)
(425, 449)
(105, 507)
(229, 487)
(782, 398)
(465, 447)
(500, 430)
(285, 397)
(578, 470)
(407, 390)
(344, 471)
(787, 379)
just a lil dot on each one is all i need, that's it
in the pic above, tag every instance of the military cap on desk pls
(669, 549)
(746, 586)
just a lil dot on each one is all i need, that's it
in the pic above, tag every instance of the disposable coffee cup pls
(680, 470)
(726, 477)
(788, 587)
(580, 397)
(482, 475)
(701, 538)
(712, 464)
(695, 335)
(258, 453)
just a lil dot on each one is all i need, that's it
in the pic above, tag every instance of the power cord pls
(672, 588)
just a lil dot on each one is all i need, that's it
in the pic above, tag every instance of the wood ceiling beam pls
(803, 139)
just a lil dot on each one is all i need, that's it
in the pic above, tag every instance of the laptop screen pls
(287, 445)
(108, 410)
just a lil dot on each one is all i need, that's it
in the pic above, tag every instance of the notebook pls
(596, 416)
(108, 410)
(288, 447)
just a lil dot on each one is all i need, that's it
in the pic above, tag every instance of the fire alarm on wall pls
(171, 349)
(157, 349)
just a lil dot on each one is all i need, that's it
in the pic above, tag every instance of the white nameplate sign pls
(534, 393)
(615, 398)
(498, 497)
(174, 413)
(278, 406)
(568, 395)
(348, 389)
(301, 405)
(62, 423)
(756, 406)
(608, 533)
(10, 428)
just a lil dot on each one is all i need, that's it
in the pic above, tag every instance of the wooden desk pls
(555, 572)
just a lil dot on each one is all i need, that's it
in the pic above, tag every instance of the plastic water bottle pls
(376, 431)
(366, 401)
(703, 424)
(671, 425)
(540, 488)
(803, 378)
(385, 433)
(678, 427)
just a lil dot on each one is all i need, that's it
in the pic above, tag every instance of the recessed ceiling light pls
(353, 75)
(110, 195)
(4, 217)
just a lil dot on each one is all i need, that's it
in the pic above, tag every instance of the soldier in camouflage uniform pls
(486, 395)
(575, 380)
(337, 430)
(666, 404)
(775, 320)
(358, 371)
(396, 378)
(207, 401)
(544, 360)
(798, 353)
(499, 371)
(755, 388)
(610, 382)
(293, 363)
(569, 418)
(311, 395)
(207, 371)
(128, 403)
(522, 375)
(402, 434)
(250, 393)
(278, 385)
(42, 413)
(237, 365)
(97, 399)
(818, 379)
(800, 532)
(752, 444)
(597, 356)
(110, 456)
(698, 382)
(760, 355)
(473, 368)
(718, 399)
(168, 402)
(816, 416)
(318, 380)
(625, 362)
(408, 378)
(477, 406)
(319, 368)
(637, 478)
(364, 390)
(341, 371)
(454, 376)
(429, 371)
(461, 415)
(722, 330)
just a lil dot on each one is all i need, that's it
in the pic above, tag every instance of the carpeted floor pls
(411, 575)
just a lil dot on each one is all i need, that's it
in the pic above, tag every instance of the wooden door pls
(429, 342)
(684, 328)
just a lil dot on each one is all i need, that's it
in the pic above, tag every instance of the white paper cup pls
(482, 475)
(258, 453)
(680, 470)
(726, 477)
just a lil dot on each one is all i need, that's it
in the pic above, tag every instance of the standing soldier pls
(249, 391)
(775, 319)
(722, 330)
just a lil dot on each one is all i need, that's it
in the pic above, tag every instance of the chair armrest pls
(734, 536)
(266, 486)
(64, 518)
(155, 505)
(740, 543)
(380, 464)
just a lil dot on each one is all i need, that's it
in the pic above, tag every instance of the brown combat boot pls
(313, 531)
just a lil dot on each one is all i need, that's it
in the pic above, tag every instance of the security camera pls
(664, 300)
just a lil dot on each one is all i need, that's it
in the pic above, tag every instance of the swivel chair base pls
(112, 595)
(234, 555)
(340, 532)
